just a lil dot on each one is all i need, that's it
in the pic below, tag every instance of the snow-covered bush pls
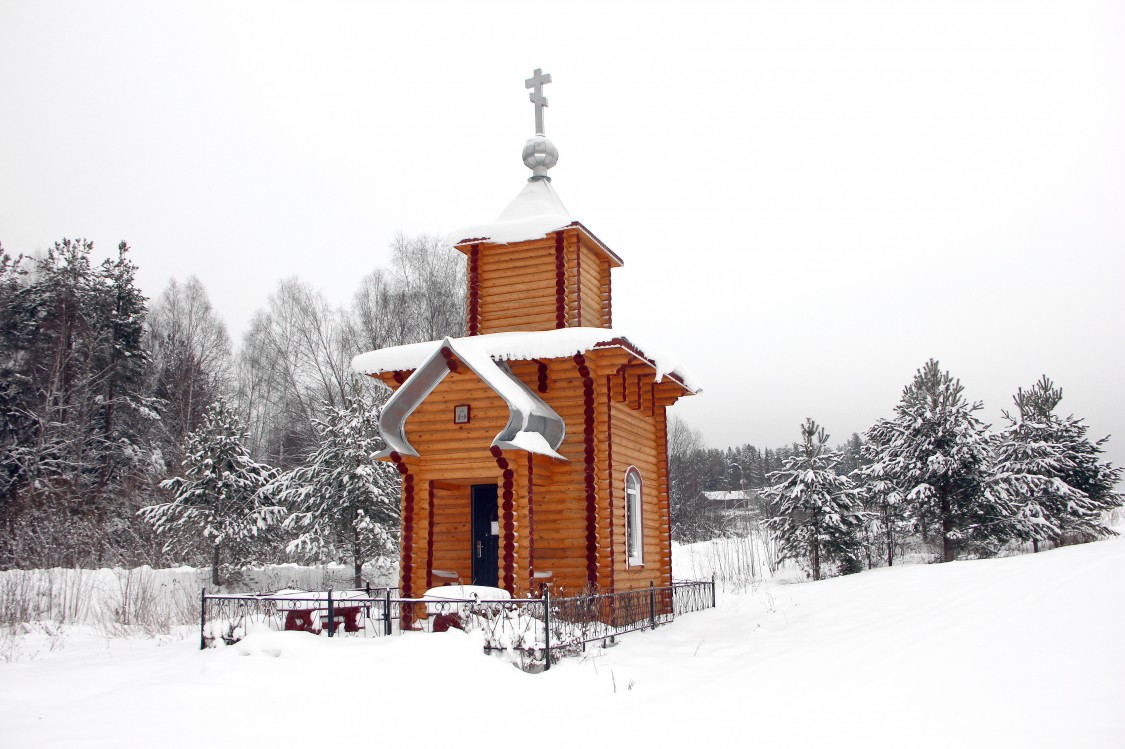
(737, 562)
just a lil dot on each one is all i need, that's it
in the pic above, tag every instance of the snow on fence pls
(534, 631)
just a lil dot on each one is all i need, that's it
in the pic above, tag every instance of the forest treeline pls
(102, 392)
(135, 431)
(931, 483)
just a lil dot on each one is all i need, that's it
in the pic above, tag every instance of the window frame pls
(634, 515)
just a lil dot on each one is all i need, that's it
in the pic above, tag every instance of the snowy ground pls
(1023, 651)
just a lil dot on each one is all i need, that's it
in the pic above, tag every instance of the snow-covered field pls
(1022, 651)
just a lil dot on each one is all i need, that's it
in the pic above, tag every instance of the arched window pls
(634, 548)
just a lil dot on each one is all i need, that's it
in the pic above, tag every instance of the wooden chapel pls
(533, 451)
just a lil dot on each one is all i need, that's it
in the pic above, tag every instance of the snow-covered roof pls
(533, 426)
(535, 212)
(524, 346)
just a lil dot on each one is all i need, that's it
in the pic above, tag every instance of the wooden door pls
(486, 536)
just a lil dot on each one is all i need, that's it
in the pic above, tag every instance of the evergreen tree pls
(885, 506)
(14, 395)
(218, 501)
(76, 419)
(851, 455)
(1060, 485)
(932, 462)
(342, 503)
(817, 514)
(124, 412)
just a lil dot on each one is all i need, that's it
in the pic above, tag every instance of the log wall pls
(565, 518)
(562, 280)
(635, 446)
(558, 488)
(452, 531)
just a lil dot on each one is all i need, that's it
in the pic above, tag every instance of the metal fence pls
(366, 612)
(534, 630)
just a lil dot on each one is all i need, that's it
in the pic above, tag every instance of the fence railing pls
(369, 611)
(534, 630)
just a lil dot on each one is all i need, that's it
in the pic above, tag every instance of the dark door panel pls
(486, 535)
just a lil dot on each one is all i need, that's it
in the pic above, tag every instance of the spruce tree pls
(817, 514)
(931, 462)
(218, 500)
(1061, 486)
(342, 503)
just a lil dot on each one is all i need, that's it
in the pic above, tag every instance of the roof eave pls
(615, 260)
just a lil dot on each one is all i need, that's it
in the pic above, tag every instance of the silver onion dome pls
(539, 155)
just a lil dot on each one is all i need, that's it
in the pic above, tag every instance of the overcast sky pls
(811, 198)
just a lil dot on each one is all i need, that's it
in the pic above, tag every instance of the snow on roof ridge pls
(535, 212)
(526, 345)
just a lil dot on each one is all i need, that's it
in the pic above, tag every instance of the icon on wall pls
(461, 414)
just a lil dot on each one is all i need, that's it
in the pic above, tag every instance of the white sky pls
(811, 198)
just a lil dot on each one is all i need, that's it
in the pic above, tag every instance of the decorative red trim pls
(398, 377)
(450, 359)
(430, 540)
(609, 460)
(474, 290)
(406, 564)
(590, 471)
(507, 507)
(578, 276)
(543, 382)
(560, 281)
(639, 396)
(530, 522)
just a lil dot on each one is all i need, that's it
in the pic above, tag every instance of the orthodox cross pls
(536, 82)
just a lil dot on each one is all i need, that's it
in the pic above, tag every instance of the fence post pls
(387, 612)
(331, 618)
(651, 603)
(547, 627)
(202, 617)
(712, 590)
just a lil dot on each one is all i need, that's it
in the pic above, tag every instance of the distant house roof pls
(731, 496)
